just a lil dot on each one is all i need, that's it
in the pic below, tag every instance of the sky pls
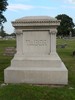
(21, 8)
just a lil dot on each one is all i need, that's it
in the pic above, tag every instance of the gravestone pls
(36, 60)
(73, 53)
(70, 35)
(9, 51)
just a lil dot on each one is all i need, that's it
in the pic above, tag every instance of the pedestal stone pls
(36, 60)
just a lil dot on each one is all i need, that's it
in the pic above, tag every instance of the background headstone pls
(9, 51)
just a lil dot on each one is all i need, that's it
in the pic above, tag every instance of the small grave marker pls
(9, 51)
(73, 53)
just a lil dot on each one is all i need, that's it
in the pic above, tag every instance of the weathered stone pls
(36, 60)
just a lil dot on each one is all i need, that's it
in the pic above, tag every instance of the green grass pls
(5, 60)
(67, 58)
(28, 92)
(32, 92)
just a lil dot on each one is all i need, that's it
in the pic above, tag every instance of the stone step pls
(36, 63)
(36, 75)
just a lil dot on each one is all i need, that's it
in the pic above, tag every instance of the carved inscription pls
(36, 42)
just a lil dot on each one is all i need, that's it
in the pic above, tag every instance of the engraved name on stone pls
(36, 42)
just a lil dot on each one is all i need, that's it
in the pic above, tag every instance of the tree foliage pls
(3, 5)
(13, 34)
(66, 24)
(73, 32)
(2, 32)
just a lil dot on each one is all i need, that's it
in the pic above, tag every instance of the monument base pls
(47, 71)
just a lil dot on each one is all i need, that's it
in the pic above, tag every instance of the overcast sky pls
(21, 8)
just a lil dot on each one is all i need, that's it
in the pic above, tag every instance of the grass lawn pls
(32, 92)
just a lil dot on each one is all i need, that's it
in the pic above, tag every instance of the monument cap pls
(38, 20)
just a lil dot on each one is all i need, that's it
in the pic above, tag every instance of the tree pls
(73, 32)
(13, 34)
(2, 32)
(66, 25)
(3, 5)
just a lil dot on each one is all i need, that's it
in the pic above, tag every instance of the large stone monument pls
(36, 60)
